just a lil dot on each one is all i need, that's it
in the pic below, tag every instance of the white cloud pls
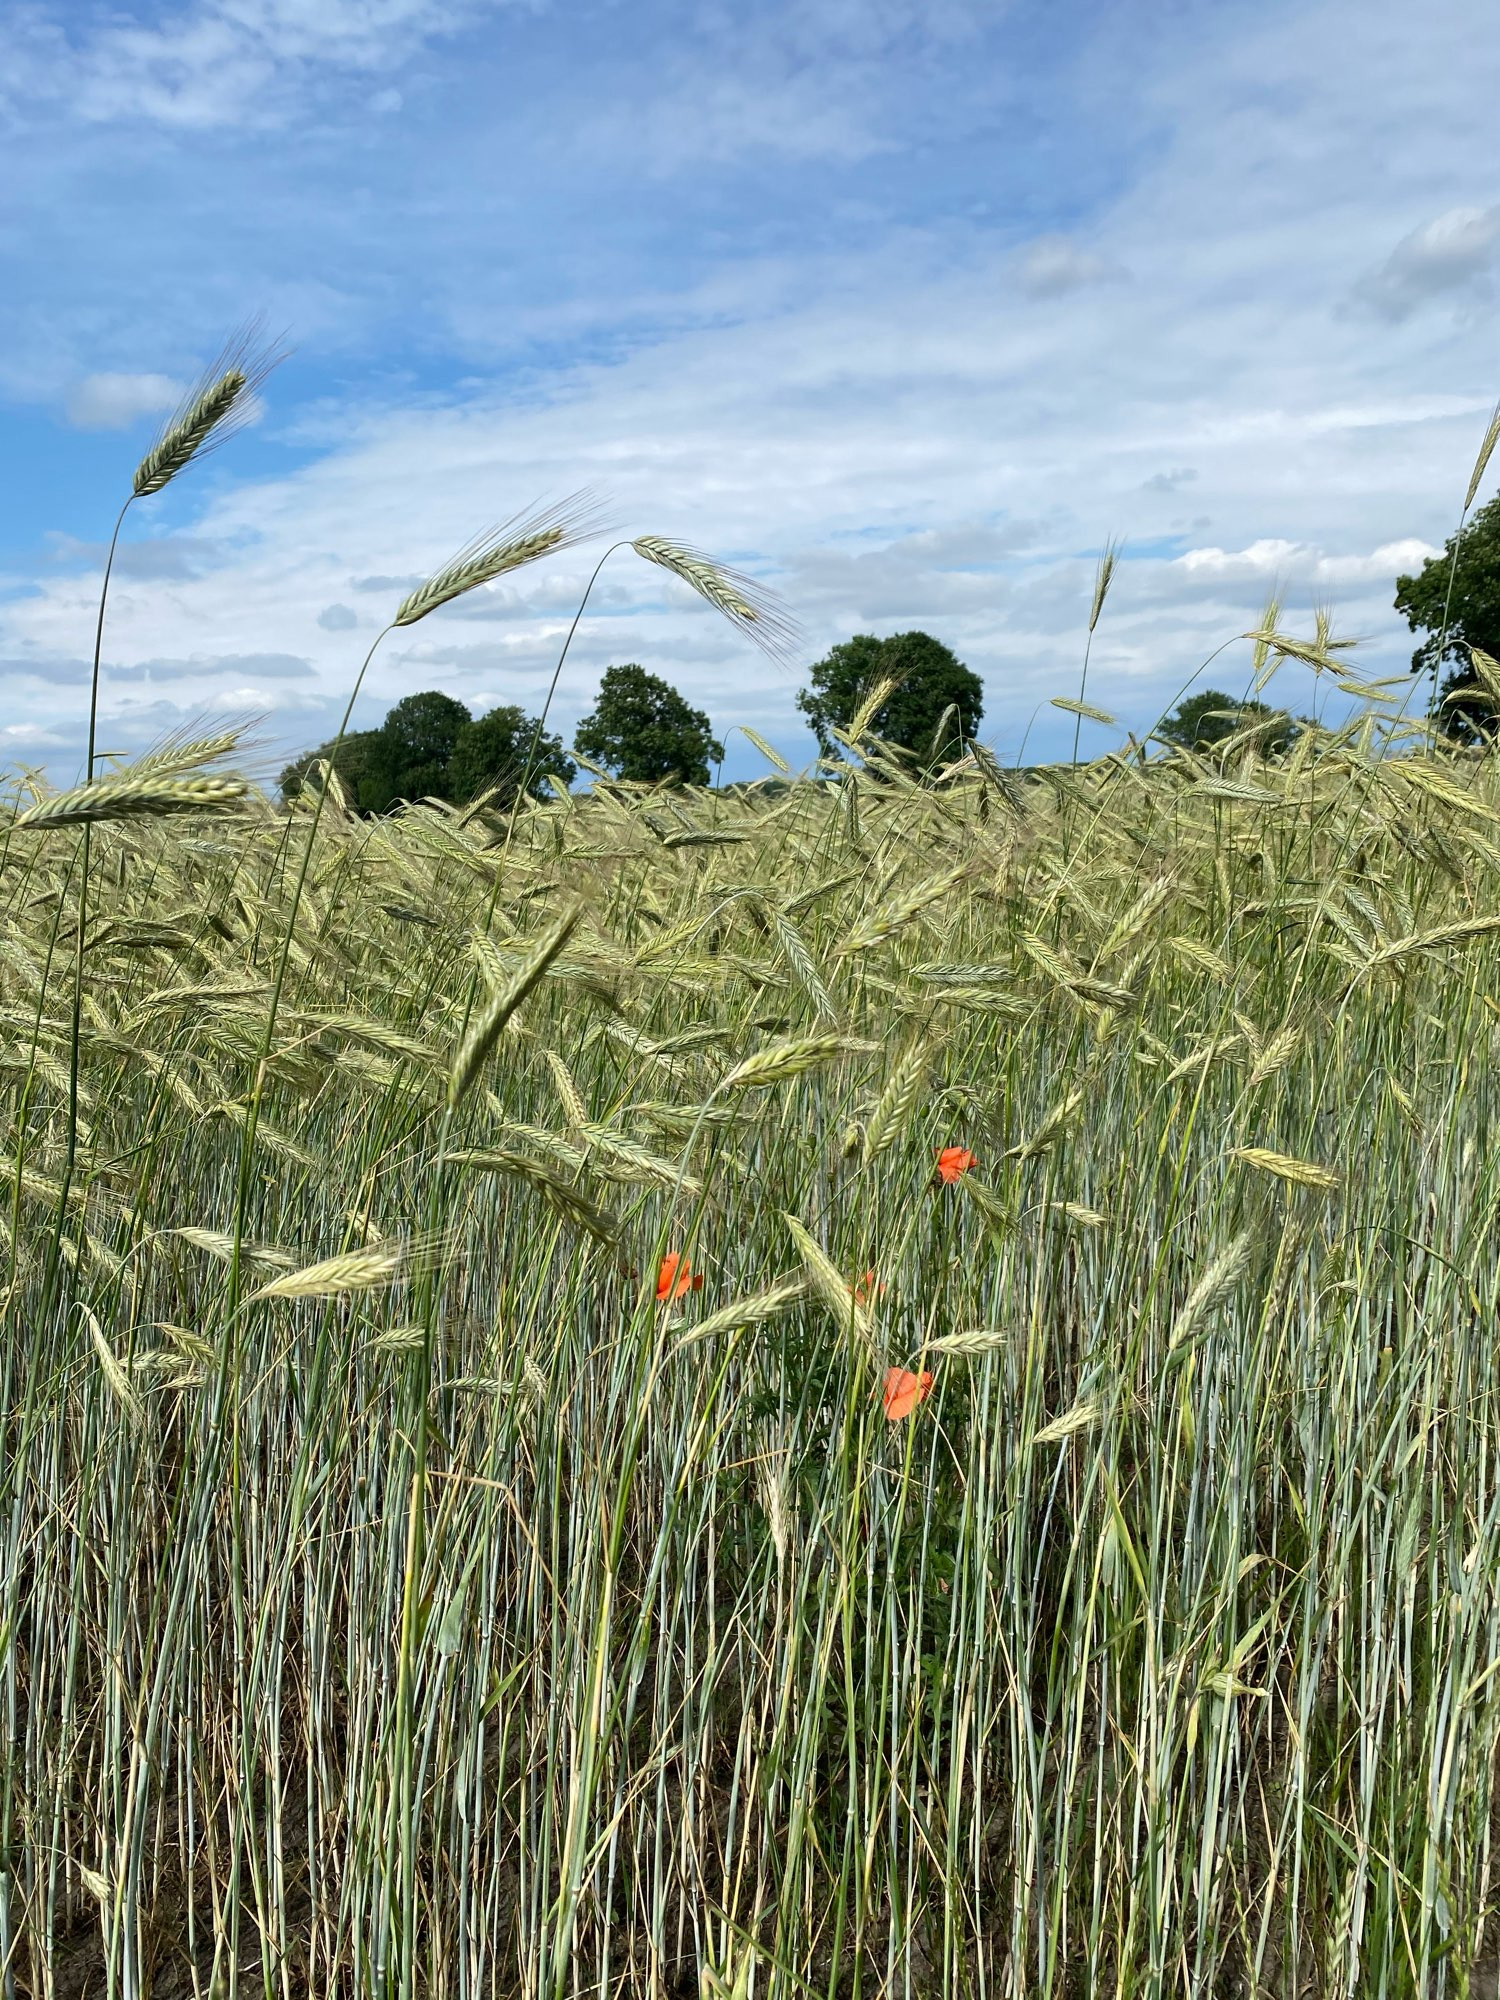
(29, 735)
(1453, 257)
(110, 402)
(1303, 562)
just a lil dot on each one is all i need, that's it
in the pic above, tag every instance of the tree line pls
(640, 728)
(430, 747)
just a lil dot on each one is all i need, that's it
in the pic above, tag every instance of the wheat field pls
(462, 1531)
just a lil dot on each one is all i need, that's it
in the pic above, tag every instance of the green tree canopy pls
(1453, 622)
(407, 757)
(492, 752)
(361, 762)
(421, 732)
(642, 729)
(1203, 721)
(934, 708)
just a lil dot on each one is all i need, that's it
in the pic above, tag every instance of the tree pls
(407, 757)
(492, 753)
(360, 761)
(421, 733)
(1454, 620)
(642, 729)
(1203, 721)
(934, 708)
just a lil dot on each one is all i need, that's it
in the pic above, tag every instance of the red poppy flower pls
(953, 1161)
(903, 1391)
(867, 1288)
(676, 1278)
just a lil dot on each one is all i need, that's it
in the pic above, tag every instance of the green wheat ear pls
(748, 605)
(520, 540)
(219, 403)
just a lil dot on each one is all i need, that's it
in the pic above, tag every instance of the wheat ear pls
(520, 540)
(780, 1060)
(177, 754)
(748, 605)
(1481, 463)
(218, 404)
(130, 798)
(364, 1270)
(485, 1028)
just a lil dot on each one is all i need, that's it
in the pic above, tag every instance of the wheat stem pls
(75, 1028)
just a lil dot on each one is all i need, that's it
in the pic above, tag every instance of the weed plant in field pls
(858, 1387)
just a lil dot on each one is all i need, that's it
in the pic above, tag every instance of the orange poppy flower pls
(867, 1288)
(676, 1278)
(903, 1391)
(953, 1161)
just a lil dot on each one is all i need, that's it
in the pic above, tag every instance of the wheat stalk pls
(217, 405)
(782, 1060)
(487, 1023)
(752, 1310)
(220, 1244)
(366, 1270)
(871, 702)
(1275, 1054)
(772, 757)
(1084, 1414)
(748, 605)
(1224, 1272)
(1083, 708)
(1434, 939)
(523, 539)
(1481, 463)
(1305, 1173)
(130, 798)
(977, 1340)
(1103, 577)
(181, 753)
(832, 1287)
(116, 1377)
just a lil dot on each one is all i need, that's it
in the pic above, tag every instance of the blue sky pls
(905, 305)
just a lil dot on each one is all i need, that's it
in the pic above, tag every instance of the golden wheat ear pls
(220, 403)
(748, 605)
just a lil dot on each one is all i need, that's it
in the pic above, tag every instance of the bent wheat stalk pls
(523, 539)
(748, 605)
(130, 798)
(210, 412)
(219, 404)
